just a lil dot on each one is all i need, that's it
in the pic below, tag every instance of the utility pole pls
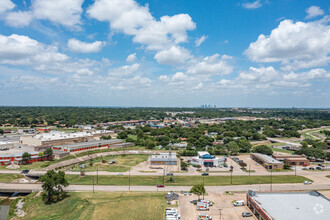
(231, 175)
(271, 179)
(93, 185)
(129, 180)
(164, 176)
(203, 187)
(249, 170)
(220, 213)
(157, 184)
(97, 176)
(295, 169)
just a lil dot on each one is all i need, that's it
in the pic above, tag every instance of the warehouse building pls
(16, 158)
(205, 159)
(6, 145)
(90, 145)
(55, 138)
(296, 160)
(266, 161)
(164, 159)
(287, 206)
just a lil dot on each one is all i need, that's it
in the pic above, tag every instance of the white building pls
(164, 159)
(6, 145)
(205, 159)
(180, 145)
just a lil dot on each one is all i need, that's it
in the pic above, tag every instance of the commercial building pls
(6, 145)
(164, 159)
(205, 159)
(287, 206)
(55, 138)
(7, 159)
(90, 145)
(266, 161)
(296, 160)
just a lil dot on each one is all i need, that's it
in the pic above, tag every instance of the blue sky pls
(244, 53)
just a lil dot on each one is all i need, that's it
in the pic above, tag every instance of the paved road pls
(256, 187)
(283, 141)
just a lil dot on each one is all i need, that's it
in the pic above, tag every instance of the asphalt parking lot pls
(221, 201)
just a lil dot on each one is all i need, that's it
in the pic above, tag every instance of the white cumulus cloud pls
(64, 12)
(295, 44)
(6, 5)
(212, 65)
(200, 40)
(131, 58)
(130, 18)
(314, 11)
(83, 47)
(172, 56)
(252, 5)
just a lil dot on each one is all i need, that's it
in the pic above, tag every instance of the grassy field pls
(101, 205)
(8, 178)
(184, 180)
(122, 163)
(134, 137)
(283, 150)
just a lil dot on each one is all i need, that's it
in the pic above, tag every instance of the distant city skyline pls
(126, 53)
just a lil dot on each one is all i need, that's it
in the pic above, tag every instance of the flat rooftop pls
(302, 206)
(266, 159)
(164, 155)
(55, 135)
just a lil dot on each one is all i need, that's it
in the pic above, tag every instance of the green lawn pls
(282, 150)
(122, 163)
(134, 137)
(101, 205)
(8, 178)
(184, 180)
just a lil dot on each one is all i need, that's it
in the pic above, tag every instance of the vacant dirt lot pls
(222, 201)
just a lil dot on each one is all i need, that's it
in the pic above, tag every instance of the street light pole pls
(231, 175)
(97, 176)
(129, 180)
(220, 213)
(203, 187)
(271, 179)
(249, 170)
(93, 185)
(295, 169)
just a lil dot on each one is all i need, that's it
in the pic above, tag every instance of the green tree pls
(48, 151)
(26, 156)
(53, 184)
(184, 165)
(198, 189)
(244, 146)
(1, 132)
(232, 148)
(263, 149)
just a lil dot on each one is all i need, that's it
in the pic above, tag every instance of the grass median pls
(101, 205)
(183, 180)
(8, 178)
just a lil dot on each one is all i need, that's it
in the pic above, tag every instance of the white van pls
(239, 203)
(201, 206)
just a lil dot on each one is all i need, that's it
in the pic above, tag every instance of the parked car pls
(203, 216)
(318, 168)
(307, 182)
(194, 201)
(205, 174)
(25, 171)
(160, 186)
(239, 203)
(246, 214)
(225, 165)
(321, 165)
(311, 168)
